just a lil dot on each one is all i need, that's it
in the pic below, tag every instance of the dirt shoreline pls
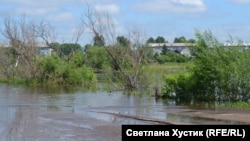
(224, 114)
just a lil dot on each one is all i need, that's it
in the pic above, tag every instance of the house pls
(44, 50)
(182, 48)
(186, 52)
(5, 45)
(243, 46)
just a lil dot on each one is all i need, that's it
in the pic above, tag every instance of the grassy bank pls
(167, 68)
(235, 105)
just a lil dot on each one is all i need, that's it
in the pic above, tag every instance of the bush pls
(97, 57)
(220, 73)
(178, 86)
(56, 70)
(171, 57)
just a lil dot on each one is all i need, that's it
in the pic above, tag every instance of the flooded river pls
(50, 114)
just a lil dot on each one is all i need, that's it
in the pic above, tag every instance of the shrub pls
(178, 86)
(97, 57)
(171, 57)
(56, 70)
(220, 73)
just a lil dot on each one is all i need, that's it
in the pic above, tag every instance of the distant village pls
(181, 48)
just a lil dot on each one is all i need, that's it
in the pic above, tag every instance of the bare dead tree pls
(6, 62)
(103, 25)
(79, 34)
(139, 52)
(45, 32)
(23, 42)
(25, 37)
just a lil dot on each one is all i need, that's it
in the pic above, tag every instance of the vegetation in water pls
(219, 73)
(53, 69)
(214, 72)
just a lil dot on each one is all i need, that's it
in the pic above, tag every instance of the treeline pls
(217, 73)
(69, 63)
(161, 39)
(98, 58)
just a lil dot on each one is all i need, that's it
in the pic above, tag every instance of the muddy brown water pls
(59, 114)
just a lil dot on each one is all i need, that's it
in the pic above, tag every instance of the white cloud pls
(33, 11)
(110, 8)
(41, 8)
(61, 17)
(42, 2)
(172, 6)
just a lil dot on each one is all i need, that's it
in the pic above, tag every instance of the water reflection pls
(26, 112)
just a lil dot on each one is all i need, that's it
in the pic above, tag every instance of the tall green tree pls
(69, 48)
(181, 39)
(123, 41)
(126, 61)
(151, 40)
(66, 50)
(191, 41)
(164, 50)
(99, 40)
(160, 39)
(97, 58)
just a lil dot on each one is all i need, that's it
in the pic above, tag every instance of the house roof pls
(170, 44)
(40, 45)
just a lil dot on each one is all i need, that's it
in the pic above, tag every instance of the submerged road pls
(95, 125)
(51, 115)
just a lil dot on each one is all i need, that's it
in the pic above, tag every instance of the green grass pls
(235, 105)
(167, 68)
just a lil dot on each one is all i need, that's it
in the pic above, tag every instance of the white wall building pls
(42, 49)
(182, 48)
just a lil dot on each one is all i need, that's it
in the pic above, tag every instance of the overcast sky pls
(167, 18)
